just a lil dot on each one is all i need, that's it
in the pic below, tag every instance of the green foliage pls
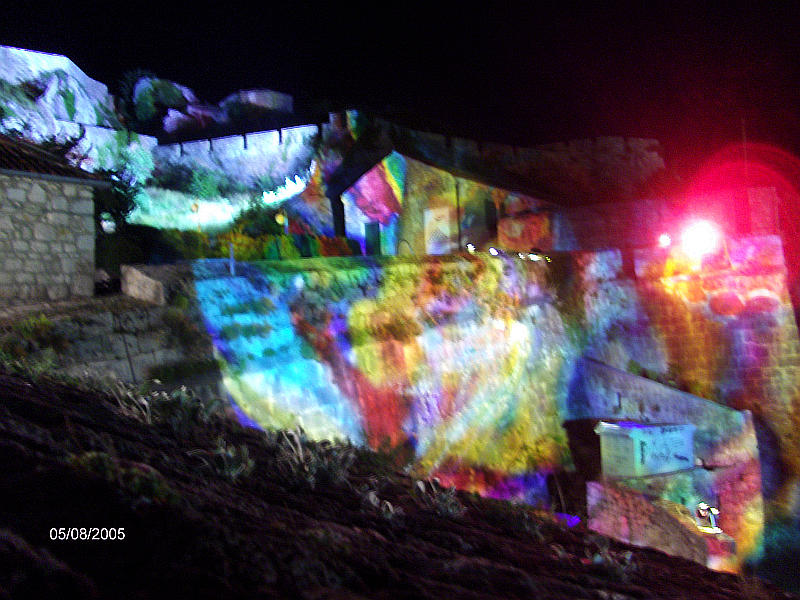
(634, 368)
(205, 184)
(30, 336)
(229, 461)
(188, 244)
(183, 329)
(257, 220)
(69, 102)
(443, 501)
(138, 480)
(180, 409)
(31, 367)
(16, 94)
(262, 306)
(118, 201)
(302, 462)
(151, 102)
(126, 86)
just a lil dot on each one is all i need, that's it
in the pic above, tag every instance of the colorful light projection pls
(434, 212)
(467, 362)
(462, 361)
(729, 331)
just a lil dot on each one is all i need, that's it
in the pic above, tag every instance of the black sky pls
(686, 74)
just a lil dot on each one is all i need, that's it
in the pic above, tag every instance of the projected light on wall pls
(288, 190)
(428, 355)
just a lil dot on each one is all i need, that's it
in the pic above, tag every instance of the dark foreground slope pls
(291, 528)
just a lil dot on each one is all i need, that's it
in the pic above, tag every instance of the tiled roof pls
(21, 156)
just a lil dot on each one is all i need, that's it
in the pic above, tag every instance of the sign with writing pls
(630, 449)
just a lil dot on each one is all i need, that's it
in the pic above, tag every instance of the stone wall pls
(578, 171)
(119, 339)
(46, 240)
(603, 392)
(639, 223)
(628, 515)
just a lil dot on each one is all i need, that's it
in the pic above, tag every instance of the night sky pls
(684, 74)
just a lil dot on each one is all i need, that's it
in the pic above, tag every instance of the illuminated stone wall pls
(729, 332)
(464, 362)
(638, 223)
(425, 210)
(472, 362)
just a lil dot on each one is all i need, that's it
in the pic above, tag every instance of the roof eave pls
(98, 183)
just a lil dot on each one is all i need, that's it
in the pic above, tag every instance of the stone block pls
(132, 321)
(85, 242)
(57, 292)
(630, 517)
(83, 207)
(43, 231)
(58, 218)
(11, 265)
(59, 203)
(82, 285)
(138, 285)
(36, 194)
(20, 246)
(16, 194)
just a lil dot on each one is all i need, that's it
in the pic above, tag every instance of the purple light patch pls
(568, 520)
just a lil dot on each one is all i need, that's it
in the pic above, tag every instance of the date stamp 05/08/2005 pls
(83, 534)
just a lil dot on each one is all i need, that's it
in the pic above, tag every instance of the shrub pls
(303, 462)
(31, 335)
(141, 481)
(182, 328)
(205, 184)
(443, 501)
(180, 409)
(231, 462)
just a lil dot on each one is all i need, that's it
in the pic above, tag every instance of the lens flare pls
(700, 238)
(664, 240)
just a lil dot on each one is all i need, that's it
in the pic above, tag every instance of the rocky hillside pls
(202, 508)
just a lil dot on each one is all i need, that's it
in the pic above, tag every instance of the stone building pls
(46, 225)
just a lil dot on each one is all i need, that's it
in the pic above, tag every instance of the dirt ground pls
(191, 532)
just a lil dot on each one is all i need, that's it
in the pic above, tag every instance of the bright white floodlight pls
(700, 238)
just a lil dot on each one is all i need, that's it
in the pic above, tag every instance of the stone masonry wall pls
(120, 339)
(46, 240)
